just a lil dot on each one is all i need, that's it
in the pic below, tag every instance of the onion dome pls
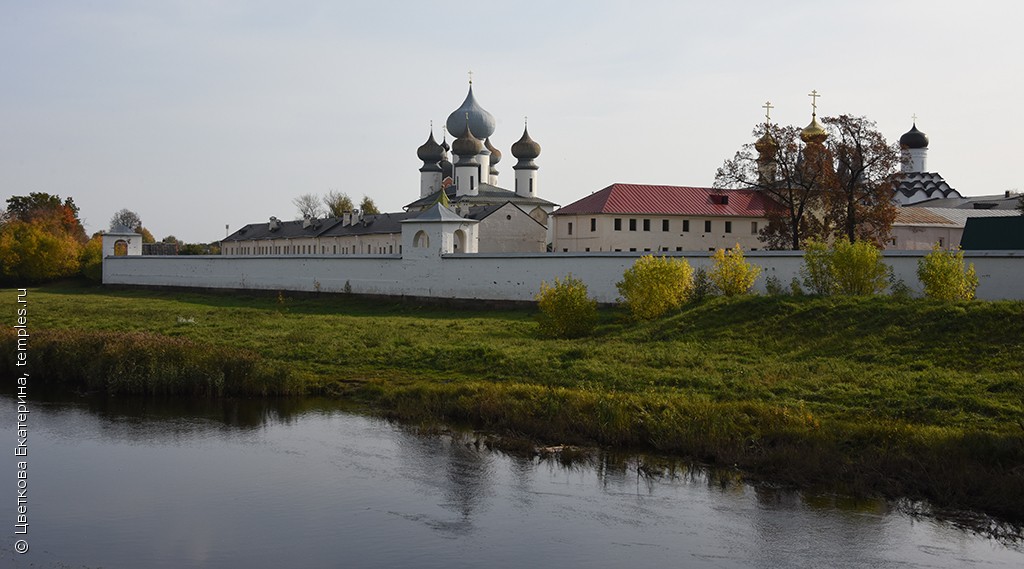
(447, 168)
(813, 132)
(480, 121)
(766, 144)
(430, 152)
(467, 144)
(526, 148)
(914, 138)
(495, 153)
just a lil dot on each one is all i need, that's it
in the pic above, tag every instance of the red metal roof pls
(670, 200)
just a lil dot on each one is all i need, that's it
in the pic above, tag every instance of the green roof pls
(993, 233)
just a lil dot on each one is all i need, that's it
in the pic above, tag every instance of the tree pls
(778, 165)
(127, 218)
(338, 203)
(308, 206)
(858, 205)
(34, 252)
(48, 211)
(367, 206)
(91, 259)
(170, 239)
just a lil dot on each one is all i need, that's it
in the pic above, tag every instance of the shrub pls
(773, 286)
(944, 277)
(817, 268)
(565, 309)
(899, 289)
(92, 259)
(858, 268)
(655, 285)
(844, 268)
(702, 287)
(732, 274)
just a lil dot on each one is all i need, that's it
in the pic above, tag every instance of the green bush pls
(944, 277)
(845, 268)
(817, 268)
(565, 309)
(858, 268)
(732, 275)
(773, 286)
(702, 287)
(655, 285)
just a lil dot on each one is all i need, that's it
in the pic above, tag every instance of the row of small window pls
(310, 250)
(665, 225)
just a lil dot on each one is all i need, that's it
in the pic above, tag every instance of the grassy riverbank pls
(872, 395)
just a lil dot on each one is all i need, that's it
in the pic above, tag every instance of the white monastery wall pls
(508, 276)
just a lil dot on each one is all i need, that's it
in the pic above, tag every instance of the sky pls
(203, 114)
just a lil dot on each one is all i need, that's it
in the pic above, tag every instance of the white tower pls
(526, 170)
(914, 144)
(431, 154)
(467, 168)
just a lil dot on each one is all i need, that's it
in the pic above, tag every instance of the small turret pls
(467, 168)
(526, 150)
(431, 154)
(492, 178)
(914, 146)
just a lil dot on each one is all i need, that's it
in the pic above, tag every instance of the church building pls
(504, 220)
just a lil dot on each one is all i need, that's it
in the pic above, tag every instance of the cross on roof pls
(914, 116)
(814, 100)
(471, 77)
(767, 106)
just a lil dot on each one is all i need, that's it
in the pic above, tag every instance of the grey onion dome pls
(914, 138)
(495, 153)
(430, 151)
(467, 144)
(526, 148)
(480, 121)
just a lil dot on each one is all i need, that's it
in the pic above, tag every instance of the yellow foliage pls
(943, 275)
(732, 274)
(30, 253)
(565, 309)
(655, 285)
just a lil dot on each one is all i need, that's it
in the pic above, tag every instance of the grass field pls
(907, 398)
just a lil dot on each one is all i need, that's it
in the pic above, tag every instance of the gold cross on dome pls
(814, 100)
(767, 106)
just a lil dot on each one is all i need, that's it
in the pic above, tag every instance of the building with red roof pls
(644, 217)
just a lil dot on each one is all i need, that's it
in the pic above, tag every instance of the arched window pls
(120, 248)
(460, 240)
(421, 239)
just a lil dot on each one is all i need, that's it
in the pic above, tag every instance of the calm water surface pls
(125, 483)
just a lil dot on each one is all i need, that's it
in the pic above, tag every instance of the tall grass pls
(139, 363)
(900, 397)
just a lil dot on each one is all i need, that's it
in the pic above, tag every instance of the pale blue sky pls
(206, 113)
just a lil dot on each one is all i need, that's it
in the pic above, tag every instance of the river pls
(304, 483)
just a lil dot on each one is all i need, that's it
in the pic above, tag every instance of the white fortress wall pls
(495, 276)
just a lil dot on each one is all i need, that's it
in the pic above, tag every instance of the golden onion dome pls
(813, 132)
(766, 144)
